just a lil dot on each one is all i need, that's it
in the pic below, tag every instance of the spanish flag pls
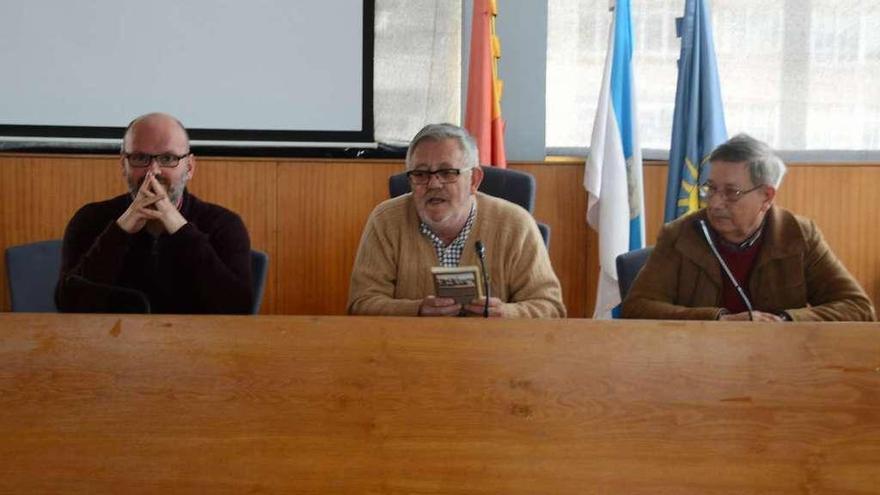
(483, 113)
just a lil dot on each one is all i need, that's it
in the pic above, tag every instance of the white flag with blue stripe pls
(613, 176)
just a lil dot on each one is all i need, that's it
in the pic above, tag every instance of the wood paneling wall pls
(308, 215)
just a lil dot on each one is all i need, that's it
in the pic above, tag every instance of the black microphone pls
(481, 253)
(739, 289)
(116, 299)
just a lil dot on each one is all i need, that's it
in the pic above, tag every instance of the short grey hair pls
(765, 167)
(439, 132)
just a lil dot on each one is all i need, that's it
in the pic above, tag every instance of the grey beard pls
(175, 193)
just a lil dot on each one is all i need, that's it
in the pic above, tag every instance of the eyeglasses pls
(729, 195)
(165, 160)
(445, 175)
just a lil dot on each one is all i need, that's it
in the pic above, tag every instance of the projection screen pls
(258, 72)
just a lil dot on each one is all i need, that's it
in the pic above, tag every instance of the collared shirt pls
(746, 244)
(450, 255)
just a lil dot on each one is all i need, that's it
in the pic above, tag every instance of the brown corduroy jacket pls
(795, 272)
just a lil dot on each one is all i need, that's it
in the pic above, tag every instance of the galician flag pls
(613, 175)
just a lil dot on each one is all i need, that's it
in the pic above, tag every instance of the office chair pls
(628, 267)
(512, 185)
(32, 272)
(259, 269)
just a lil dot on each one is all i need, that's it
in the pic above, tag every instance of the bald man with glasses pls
(183, 254)
(743, 258)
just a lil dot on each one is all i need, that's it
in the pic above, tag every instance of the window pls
(801, 76)
(417, 71)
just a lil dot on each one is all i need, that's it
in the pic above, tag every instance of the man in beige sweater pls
(437, 224)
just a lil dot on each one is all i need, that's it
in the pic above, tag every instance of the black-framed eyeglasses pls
(445, 175)
(729, 194)
(165, 160)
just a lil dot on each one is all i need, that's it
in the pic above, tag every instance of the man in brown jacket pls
(781, 262)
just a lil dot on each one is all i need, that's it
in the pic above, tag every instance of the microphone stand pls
(481, 253)
(739, 289)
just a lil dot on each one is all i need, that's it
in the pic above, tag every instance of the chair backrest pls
(259, 269)
(544, 229)
(32, 271)
(512, 185)
(628, 267)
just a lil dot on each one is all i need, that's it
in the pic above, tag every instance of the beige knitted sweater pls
(392, 271)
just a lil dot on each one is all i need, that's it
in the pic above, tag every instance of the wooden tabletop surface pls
(297, 404)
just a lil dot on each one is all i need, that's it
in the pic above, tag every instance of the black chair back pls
(32, 271)
(259, 269)
(628, 267)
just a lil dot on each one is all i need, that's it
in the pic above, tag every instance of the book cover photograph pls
(462, 283)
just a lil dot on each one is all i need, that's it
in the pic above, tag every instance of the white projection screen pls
(264, 72)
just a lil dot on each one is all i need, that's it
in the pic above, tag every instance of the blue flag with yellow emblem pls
(698, 123)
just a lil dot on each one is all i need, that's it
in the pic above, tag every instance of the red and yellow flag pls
(483, 113)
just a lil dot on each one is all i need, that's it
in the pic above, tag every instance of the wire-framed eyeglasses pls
(728, 194)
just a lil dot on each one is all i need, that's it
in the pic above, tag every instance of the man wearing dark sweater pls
(158, 242)
(781, 261)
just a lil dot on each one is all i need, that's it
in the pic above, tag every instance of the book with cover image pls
(462, 283)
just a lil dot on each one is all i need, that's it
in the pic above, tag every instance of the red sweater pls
(740, 263)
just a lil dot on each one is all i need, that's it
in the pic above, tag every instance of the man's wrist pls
(176, 225)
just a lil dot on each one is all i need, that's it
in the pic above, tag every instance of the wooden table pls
(274, 404)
